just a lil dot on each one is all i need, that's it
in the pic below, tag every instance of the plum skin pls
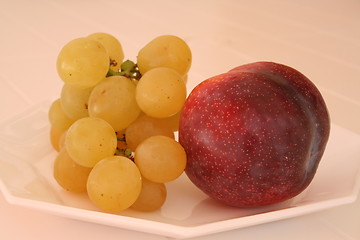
(255, 135)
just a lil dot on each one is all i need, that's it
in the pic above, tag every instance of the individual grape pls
(70, 175)
(74, 101)
(185, 78)
(62, 140)
(58, 119)
(55, 136)
(114, 184)
(160, 159)
(83, 62)
(144, 127)
(165, 51)
(172, 121)
(112, 46)
(114, 101)
(161, 92)
(152, 196)
(89, 140)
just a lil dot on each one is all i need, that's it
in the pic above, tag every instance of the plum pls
(255, 135)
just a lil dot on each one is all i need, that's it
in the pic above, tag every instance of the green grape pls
(89, 140)
(185, 78)
(83, 62)
(172, 121)
(114, 184)
(165, 51)
(55, 136)
(74, 101)
(152, 196)
(114, 101)
(113, 47)
(70, 175)
(62, 140)
(160, 159)
(58, 119)
(144, 127)
(161, 92)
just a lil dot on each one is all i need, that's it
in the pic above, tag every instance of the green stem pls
(113, 73)
(128, 69)
(128, 152)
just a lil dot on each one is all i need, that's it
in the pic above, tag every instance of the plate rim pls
(168, 229)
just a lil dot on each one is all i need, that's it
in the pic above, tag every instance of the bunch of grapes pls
(114, 123)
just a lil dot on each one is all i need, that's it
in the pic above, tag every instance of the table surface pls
(321, 38)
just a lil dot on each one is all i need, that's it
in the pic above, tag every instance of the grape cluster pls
(114, 123)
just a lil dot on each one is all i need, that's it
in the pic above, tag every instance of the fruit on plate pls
(114, 183)
(83, 62)
(255, 135)
(165, 51)
(109, 109)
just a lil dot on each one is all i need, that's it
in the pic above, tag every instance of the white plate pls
(26, 159)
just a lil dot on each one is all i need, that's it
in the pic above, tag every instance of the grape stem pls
(128, 69)
(127, 152)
